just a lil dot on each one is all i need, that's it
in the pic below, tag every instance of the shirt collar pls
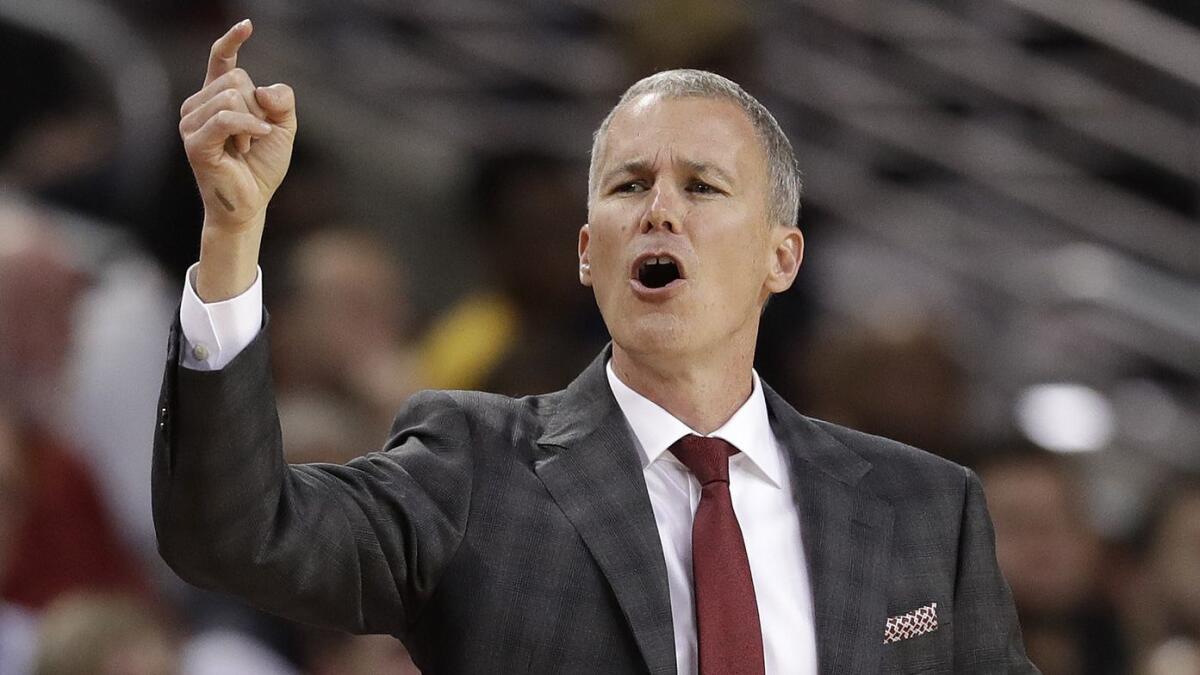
(655, 429)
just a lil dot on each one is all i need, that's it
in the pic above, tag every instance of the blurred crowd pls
(90, 278)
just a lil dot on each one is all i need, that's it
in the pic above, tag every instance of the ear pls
(786, 254)
(585, 265)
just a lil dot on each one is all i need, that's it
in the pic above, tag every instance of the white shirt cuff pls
(214, 333)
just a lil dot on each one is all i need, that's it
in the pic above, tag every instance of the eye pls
(631, 186)
(700, 187)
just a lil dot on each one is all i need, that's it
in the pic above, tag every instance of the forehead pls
(702, 130)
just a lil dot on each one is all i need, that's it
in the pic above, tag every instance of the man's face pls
(1048, 555)
(678, 247)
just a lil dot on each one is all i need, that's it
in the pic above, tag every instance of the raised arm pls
(358, 547)
(238, 139)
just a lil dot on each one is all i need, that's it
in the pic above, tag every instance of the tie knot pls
(705, 456)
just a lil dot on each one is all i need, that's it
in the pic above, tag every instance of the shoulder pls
(899, 471)
(482, 416)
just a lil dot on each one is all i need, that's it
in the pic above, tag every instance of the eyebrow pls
(640, 166)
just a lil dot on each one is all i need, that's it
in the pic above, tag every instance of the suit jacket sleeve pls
(358, 547)
(987, 635)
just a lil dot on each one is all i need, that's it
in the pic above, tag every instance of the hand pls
(238, 138)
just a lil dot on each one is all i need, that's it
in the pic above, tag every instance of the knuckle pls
(190, 104)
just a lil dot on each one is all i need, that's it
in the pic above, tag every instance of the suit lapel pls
(595, 476)
(847, 539)
(592, 471)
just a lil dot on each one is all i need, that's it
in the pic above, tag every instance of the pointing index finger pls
(223, 57)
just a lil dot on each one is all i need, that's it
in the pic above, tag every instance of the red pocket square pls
(917, 622)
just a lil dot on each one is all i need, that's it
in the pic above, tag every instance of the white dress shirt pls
(761, 488)
(759, 484)
(215, 332)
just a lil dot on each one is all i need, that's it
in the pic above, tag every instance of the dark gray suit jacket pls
(500, 535)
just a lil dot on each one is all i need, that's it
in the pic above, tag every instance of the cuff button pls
(200, 352)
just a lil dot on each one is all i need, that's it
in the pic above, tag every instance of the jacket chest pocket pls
(923, 654)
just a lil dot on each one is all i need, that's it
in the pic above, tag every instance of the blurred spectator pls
(223, 651)
(533, 327)
(1171, 566)
(40, 285)
(117, 634)
(341, 333)
(714, 35)
(320, 427)
(113, 373)
(1177, 656)
(66, 540)
(82, 314)
(105, 635)
(17, 624)
(1052, 559)
(904, 383)
(333, 653)
(56, 136)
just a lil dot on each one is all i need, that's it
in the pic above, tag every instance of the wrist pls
(228, 261)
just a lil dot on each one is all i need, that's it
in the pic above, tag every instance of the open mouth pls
(658, 271)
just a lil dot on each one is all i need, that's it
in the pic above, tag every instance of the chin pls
(653, 333)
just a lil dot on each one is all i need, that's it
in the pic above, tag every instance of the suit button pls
(162, 419)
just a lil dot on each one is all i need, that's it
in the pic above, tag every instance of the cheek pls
(742, 271)
(604, 253)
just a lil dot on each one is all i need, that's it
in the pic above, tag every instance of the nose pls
(665, 211)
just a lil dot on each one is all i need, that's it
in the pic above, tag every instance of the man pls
(571, 532)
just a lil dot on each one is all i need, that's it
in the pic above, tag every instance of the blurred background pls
(1003, 267)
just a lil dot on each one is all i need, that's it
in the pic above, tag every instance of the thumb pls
(279, 102)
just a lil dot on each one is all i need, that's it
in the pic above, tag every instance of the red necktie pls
(726, 610)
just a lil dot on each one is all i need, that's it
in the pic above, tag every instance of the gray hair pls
(782, 167)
